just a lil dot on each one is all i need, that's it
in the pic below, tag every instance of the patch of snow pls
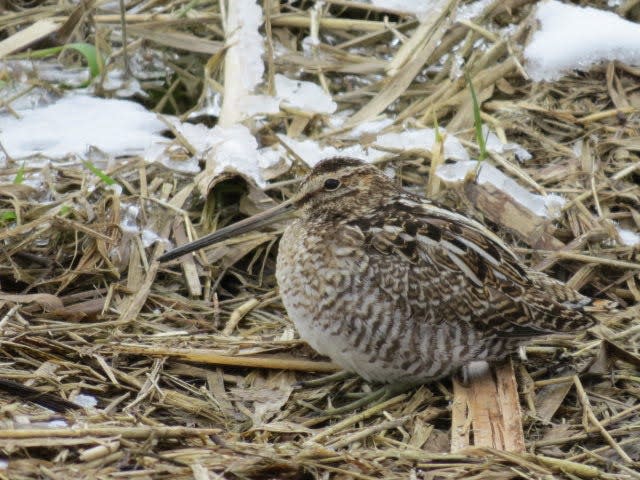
(149, 237)
(233, 148)
(87, 401)
(268, 157)
(259, 105)
(548, 206)
(162, 153)
(419, 8)
(197, 135)
(245, 41)
(4, 463)
(574, 37)
(150, 64)
(123, 85)
(129, 225)
(628, 237)
(494, 144)
(337, 119)
(308, 44)
(52, 72)
(57, 423)
(115, 188)
(312, 152)
(456, 172)
(534, 202)
(74, 123)
(129, 222)
(171, 333)
(577, 148)
(424, 139)
(13, 94)
(471, 10)
(305, 96)
(298, 94)
(212, 104)
(243, 65)
(190, 165)
(373, 126)
(554, 203)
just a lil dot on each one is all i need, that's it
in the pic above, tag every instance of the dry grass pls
(186, 360)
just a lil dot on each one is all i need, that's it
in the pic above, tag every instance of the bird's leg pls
(377, 396)
(465, 375)
(318, 382)
(462, 376)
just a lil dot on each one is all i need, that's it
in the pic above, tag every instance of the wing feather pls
(500, 295)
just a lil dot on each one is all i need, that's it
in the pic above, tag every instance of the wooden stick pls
(586, 405)
(143, 431)
(488, 408)
(215, 358)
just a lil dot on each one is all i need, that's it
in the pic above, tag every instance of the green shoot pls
(436, 128)
(100, 174)
(88, 51)
(477, 121)
(7, 217)
(19, 176)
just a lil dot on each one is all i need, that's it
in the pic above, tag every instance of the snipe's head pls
(335, 187)
(341, 185)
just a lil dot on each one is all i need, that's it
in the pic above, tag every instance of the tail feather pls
(553, 316)
(558, 307)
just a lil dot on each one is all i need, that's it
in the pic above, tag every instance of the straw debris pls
(194, 367)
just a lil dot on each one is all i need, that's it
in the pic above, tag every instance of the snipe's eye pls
(331, 184)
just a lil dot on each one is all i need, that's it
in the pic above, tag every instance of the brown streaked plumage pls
(396, 289)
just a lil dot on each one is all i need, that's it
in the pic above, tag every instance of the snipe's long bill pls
(398, 289)
(243, 226)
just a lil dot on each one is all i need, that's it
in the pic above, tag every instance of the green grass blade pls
(100, 174)
(90, 54)
(436, 128)
(477, 120)
(88, 51)
(19, 176)
(7, 217)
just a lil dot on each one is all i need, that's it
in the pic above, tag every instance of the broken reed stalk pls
(487, 413)
(214, 358)
(123, 432)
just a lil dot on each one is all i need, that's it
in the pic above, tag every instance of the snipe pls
(397, 289)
